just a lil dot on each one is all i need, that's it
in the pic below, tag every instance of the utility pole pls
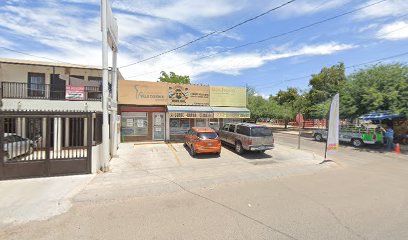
(114, 139)
(105, 88)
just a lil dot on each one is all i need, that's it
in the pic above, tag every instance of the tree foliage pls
(174, 78)
(375, 88)
(380, 87)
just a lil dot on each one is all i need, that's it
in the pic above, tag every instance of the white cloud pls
(231, 64)
(383, 9)
(307, 7)
(185, 11)
(394, 31)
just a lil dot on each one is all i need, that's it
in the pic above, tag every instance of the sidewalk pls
(26, 200)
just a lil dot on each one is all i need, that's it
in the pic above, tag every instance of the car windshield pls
(207, 135)
(261, 132)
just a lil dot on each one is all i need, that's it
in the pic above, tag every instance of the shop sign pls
(193, 95)
(191, 115)
(74, 92)
(142, 93)
(232, 115)
(227, 96)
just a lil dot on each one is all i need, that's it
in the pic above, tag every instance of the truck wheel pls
(318, 137)
(357, 142)
(238, 148)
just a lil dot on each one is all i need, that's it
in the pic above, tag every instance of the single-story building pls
(162, 111)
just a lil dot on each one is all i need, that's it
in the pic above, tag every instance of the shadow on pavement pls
(248, 154)
(201, 155)
(305, 133)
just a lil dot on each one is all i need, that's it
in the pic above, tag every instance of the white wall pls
(96, 158)
(50, 105)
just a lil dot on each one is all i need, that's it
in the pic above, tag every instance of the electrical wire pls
(32, 55)
(210, 34)
(271, 37)
(351, 66)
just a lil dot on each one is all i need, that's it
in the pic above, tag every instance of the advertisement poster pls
(332, 144)
(142, 93)
(74, 93)
(193, 95)
(227, 96)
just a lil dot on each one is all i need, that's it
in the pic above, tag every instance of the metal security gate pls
(44, 144)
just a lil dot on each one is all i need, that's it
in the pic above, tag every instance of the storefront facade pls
(157, 111)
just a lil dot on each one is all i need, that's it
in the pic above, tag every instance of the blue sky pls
(69, 31)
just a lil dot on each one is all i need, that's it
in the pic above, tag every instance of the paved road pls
(347, 155)
(366, 198)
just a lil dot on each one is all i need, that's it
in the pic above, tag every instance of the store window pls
(134, 124)
(214, 124)
(200, 122)
(179, 126)
(232, 120)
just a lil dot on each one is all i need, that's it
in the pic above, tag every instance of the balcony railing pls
(45, 91)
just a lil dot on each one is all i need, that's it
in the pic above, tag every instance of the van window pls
(243, 130)
(261, 132)
(231, 128)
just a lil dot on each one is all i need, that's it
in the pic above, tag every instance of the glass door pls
(158, 126)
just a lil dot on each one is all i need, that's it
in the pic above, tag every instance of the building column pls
(85, 131)
(167, 135)
(57, 137)
(44, 132)
(67, 132)
(21, 127)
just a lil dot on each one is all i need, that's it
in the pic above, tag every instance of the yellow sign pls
(227, 96)
(142, 93)
(191, 115)
(193, 95)
(232, 115)
(161, 93)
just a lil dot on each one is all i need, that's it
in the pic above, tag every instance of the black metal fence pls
(39, 144)
(44, 91)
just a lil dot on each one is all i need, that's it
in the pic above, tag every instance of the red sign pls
(75, 93)
(299, 118)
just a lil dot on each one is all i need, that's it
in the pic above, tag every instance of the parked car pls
(247, 137)
(357, 135)
(15, 146)
(202, 140)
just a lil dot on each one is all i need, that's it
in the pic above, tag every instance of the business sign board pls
(74, 93)
(227, 96)
(142, 93)
(332, 143)
(191, 115)
(232, 114)
(112, 27)
(192, 95)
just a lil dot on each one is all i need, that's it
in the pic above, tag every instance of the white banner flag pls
(333, 131)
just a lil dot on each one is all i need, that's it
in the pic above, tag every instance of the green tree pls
(324, 86)
(289, 96)
(174, 78)
(379, 87)
(284, 112)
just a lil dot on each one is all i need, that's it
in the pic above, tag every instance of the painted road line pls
(171, 147)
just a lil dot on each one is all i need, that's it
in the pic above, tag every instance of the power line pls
(352, 66)
(32, 55)
(273, 36)
(210, 34)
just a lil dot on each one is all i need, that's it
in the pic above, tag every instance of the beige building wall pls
(19, 72)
